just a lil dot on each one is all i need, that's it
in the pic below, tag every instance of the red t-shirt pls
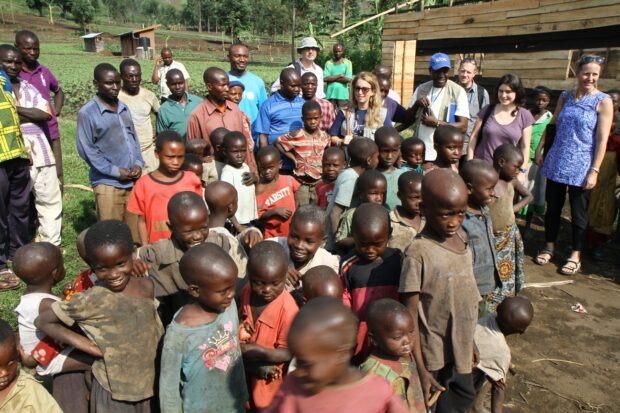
(324, 192)
(283, 196)
(150, 197)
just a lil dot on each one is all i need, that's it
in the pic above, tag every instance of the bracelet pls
(595, 169)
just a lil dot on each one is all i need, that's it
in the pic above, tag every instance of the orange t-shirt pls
(283, 196)
(270, 330)
(150, 197)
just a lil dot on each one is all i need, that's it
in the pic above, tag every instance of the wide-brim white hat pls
(308, 43)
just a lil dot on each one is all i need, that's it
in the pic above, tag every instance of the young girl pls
(364, 115)
(275, 194)
(535, 181)
(119, 317)
(507, 160)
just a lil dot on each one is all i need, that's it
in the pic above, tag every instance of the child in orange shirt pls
(266, 313)
(275, 194)
(151, 193)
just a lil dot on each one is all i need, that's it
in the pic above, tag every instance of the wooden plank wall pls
(501, 18)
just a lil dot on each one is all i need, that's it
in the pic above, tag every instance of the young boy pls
(267, 311)
(217, 146)
(413, 150)
(370, 187)
(19, 391)
(221, 198)
(372, 271)
(389, 141)
(119, 318)
(332, 164)
(237, 173)
(390, 330)
(305, 148)
(40, 266)
(201, 365)
(303, 245)
(276, 195)
(449, 147)
(200, 148)
(321, 281)
(514, 315)
(193, 164)
(406, 219)
(364, 154)
(188, 220)
(149, 197)
(441, 294)
(481, 178)
(322, 339)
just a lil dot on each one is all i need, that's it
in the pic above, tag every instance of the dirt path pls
(592, 340)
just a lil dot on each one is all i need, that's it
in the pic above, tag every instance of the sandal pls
(8, 280)
(541, 259)
(571, 267)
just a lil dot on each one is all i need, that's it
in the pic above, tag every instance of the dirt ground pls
(585, 374)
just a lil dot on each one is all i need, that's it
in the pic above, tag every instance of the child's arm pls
(498, 395)
(526, 196)
(285, 152)
(50, 324)
(170, 399)
(142, 230)
(256, 352)
(538, 157)
(411, 301)
(334, 217)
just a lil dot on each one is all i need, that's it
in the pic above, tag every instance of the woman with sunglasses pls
(582, 123)
(364, 115)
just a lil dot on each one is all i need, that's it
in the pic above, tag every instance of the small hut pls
(93, 42)
(144, 38)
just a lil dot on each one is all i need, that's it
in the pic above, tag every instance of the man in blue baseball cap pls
(437, 102)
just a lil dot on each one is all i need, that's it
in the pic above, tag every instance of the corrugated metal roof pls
(91, 35)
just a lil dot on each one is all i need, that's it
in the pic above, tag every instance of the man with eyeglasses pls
(439, 101)
(477, 96)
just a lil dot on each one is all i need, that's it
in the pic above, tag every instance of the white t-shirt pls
(163, 86)
(29, 336)
(246, 194)
(436, 97)
(316, 69)
(141, 106)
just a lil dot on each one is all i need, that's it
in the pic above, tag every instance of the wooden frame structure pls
(130, 40)
(536, 39)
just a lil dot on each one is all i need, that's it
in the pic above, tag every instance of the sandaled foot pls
(543, 257)
(8, 280)
(571, 267)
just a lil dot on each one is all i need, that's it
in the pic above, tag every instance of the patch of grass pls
(78, 214)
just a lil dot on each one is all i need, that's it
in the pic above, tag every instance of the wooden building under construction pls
(539, 40)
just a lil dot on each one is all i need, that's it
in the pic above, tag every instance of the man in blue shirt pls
(107, 141)
(254, 94)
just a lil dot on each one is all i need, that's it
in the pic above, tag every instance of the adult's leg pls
(579, 199)
(460, 393)
(48, 202)
(555, 196)
(4, 207)
(57, 150)
(18, 204)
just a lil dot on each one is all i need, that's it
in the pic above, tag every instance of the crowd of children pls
(364, 279)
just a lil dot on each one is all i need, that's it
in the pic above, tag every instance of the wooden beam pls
(383, 13)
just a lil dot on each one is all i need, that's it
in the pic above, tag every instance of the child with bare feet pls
(322, 338)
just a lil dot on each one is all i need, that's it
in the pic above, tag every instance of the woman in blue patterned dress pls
(584, 117)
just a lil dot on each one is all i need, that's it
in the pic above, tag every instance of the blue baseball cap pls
(439, 61)
(235, 83)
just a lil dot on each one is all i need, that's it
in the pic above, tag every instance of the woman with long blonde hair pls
(364, 114)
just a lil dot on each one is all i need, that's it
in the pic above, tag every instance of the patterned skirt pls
(510, 262)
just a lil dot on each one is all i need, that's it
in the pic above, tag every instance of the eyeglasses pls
(585, 59)
(364, 90)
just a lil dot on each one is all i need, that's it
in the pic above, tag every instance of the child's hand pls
(274, 374)
(246, 331)
(293, 277)
(501, 384)
(26, 359)
(140, 268)
(251, 238)
(249, 178)
(283, 212)
(429, 383)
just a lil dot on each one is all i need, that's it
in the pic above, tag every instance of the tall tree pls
(83, 12)
(36, 5)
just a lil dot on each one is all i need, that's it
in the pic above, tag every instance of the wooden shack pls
(93, 42)
(539, 40)
(130, 41)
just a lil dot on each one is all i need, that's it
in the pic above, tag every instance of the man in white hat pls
(308, 51)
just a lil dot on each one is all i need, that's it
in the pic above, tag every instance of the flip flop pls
(571, 267)
(9, 281)
(540, 260)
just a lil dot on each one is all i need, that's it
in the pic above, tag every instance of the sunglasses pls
(585, 59)
(364, 90)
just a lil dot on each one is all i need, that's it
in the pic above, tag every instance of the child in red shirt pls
(333, 163)
(266, 313)
(275, 194)
(151, 193)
